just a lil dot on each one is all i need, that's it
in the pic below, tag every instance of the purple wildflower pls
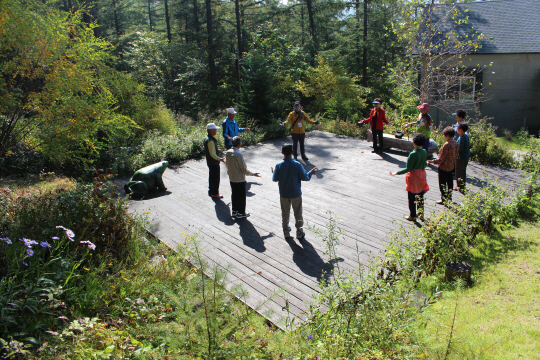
(25, 264)
(6, 240)
(61, 227)
(85, 242)
(44, 244)
(28, 243)
(92, 246)
(29, 252)
(55, 238)
(70, 234)
(310, 337)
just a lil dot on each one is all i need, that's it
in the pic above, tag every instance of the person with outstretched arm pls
(289, 174)
(231, 128)
(296, 120)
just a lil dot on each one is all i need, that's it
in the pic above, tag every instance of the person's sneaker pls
(410, 218)
(287, 232)
(242, 216)
(234, 214)
(300, 235)
(218, 196)
(440, 202)
(305, 158)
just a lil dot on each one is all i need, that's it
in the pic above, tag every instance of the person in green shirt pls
(415, 177)
(423, 124)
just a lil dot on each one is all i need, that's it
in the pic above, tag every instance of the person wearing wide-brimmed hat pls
(211, 150)
(297, 119)
(377, 117)
(423, 124)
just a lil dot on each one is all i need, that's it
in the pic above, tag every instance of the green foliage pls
(332, 92)
(484, 145)
(132, 102)
(51, 98)
(186, 143)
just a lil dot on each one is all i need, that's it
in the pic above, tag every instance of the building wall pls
(512, 84)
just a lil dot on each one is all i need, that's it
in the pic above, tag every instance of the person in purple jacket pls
(230, 128)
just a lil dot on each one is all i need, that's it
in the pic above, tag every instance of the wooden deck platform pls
(352, 185)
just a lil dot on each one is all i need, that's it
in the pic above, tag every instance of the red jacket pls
(381, 116)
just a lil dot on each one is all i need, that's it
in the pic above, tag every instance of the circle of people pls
(289, 173)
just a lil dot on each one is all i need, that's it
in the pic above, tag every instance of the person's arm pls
(462, 145)
(289, 119)
(212, 150)
(303, 175)
(382, 114)
(275, 175)
(410, 162)
(442, 155)
(240, 130)
(226, 130)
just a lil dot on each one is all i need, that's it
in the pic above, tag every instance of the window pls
(460, 88)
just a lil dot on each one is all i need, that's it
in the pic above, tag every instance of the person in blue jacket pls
(230, 128)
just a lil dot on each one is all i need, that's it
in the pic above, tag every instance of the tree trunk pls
(358, 37)
(312, 30)
(239, 38)
(302, 22)
(197, 24)
(364, 53)
(149, 15)
(116, 22)
(211, 56)
(167, 20)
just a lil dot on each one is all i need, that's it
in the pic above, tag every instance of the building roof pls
(510, 26)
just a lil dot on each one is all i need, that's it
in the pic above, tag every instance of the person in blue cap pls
(230, 128)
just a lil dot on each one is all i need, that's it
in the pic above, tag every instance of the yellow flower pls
(183, 233)
(195, 269)
(189, 237)
(110, 264)
(148, 212)
(181, 244)
(113, 286)
(86, 269)
(125, 278)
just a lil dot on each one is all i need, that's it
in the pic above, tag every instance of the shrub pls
(508, 134)
(56, 237)
(484, 145)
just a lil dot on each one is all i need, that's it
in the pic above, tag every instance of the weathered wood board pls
(353, 186)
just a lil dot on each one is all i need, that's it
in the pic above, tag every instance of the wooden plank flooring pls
(352, 185)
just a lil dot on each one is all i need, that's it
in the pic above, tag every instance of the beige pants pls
(296, 204)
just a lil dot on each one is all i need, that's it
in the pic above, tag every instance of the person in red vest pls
(377, 117)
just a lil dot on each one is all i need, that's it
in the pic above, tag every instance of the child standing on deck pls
(415, 178)
(463, 158)
(447, 160)
(423, 124)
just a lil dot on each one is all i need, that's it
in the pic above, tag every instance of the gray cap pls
(297, 103)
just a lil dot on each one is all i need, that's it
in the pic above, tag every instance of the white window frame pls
(461, 78)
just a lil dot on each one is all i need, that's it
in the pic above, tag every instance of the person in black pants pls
(446, 162)
(212, 160)
(237, 169)
(377, 117)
